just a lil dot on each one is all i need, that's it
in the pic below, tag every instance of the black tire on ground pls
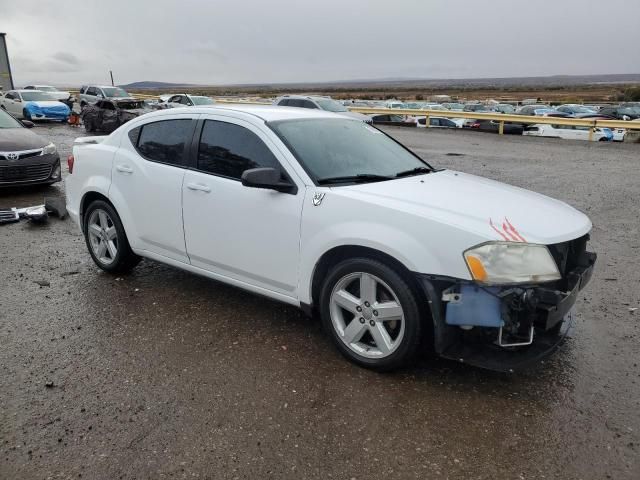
(25, 114)
(407, 297)
(125, 259)
(88, 126)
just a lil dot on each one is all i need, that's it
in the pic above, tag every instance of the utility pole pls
(111, 73)
(6, 79)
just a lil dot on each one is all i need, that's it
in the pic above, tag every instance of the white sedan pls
(332, 215)
(186, 100)
(569, 132)
(34, 105)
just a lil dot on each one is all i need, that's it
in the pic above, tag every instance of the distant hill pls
(499, 82)
(154, 85)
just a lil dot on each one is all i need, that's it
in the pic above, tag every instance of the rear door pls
(148, 171)
(249, 235)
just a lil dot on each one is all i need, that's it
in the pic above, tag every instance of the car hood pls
(44, 103)
(17, 139)
(493, 210)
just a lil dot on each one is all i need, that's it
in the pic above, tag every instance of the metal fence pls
(503, 118)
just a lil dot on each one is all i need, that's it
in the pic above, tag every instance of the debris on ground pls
(37, 213)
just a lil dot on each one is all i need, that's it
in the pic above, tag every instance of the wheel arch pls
(339, 253)
(87, 199)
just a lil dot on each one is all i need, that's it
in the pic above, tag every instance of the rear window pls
(164, 141)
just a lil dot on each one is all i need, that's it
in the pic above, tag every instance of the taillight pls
(70, 161)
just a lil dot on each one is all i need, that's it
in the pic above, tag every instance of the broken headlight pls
(49, 149)
(509, 262)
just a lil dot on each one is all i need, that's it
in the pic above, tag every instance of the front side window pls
(228, 150)
(165, 141)
(330, 148)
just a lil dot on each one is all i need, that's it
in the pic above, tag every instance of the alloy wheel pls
(366, 315)
(103, 237)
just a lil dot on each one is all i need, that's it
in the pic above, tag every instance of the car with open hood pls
(34, 105)
(334, 216)
(25, 157)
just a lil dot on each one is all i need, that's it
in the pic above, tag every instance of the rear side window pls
(228, 150)
(164, 141)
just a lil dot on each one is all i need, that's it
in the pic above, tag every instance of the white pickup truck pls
(334, 216)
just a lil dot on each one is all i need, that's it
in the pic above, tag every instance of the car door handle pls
(124, 169)
(198, 187)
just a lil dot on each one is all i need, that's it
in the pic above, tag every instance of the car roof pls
(268, 113)
(26, 91)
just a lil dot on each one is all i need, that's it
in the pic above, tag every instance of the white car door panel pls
(248, 234)
(148, 179)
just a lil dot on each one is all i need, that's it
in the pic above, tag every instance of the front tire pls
(106, 239)
(88, 126)
(371, 313)
(26, 115)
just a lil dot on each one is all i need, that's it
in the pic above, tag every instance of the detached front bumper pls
(507, 328)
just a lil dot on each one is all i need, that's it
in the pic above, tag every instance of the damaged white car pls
(334, 216)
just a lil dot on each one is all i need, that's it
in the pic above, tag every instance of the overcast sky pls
(255, 41)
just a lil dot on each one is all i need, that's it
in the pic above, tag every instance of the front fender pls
(422, 245)
(404, 248)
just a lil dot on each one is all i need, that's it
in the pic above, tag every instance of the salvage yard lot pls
(163, 374)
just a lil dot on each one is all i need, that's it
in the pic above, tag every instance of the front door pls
(148, 170)
(250, 235)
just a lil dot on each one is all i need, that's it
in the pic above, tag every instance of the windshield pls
(113, 92)
(578, 109)
(7, 121)
(201, 100)
(331, 105)
(35, 96)
(329, 148)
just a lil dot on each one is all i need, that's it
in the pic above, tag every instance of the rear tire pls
(371, 313)
(106, 239)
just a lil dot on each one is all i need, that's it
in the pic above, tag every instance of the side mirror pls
(268, 178)
(28, 123)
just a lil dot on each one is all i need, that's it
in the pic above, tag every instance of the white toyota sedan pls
(334, 216)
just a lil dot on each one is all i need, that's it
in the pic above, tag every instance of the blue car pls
(34, 105)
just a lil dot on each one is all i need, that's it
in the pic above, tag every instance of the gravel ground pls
(163, 374)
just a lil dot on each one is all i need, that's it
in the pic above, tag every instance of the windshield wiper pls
(362, 177)
(413, 171)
